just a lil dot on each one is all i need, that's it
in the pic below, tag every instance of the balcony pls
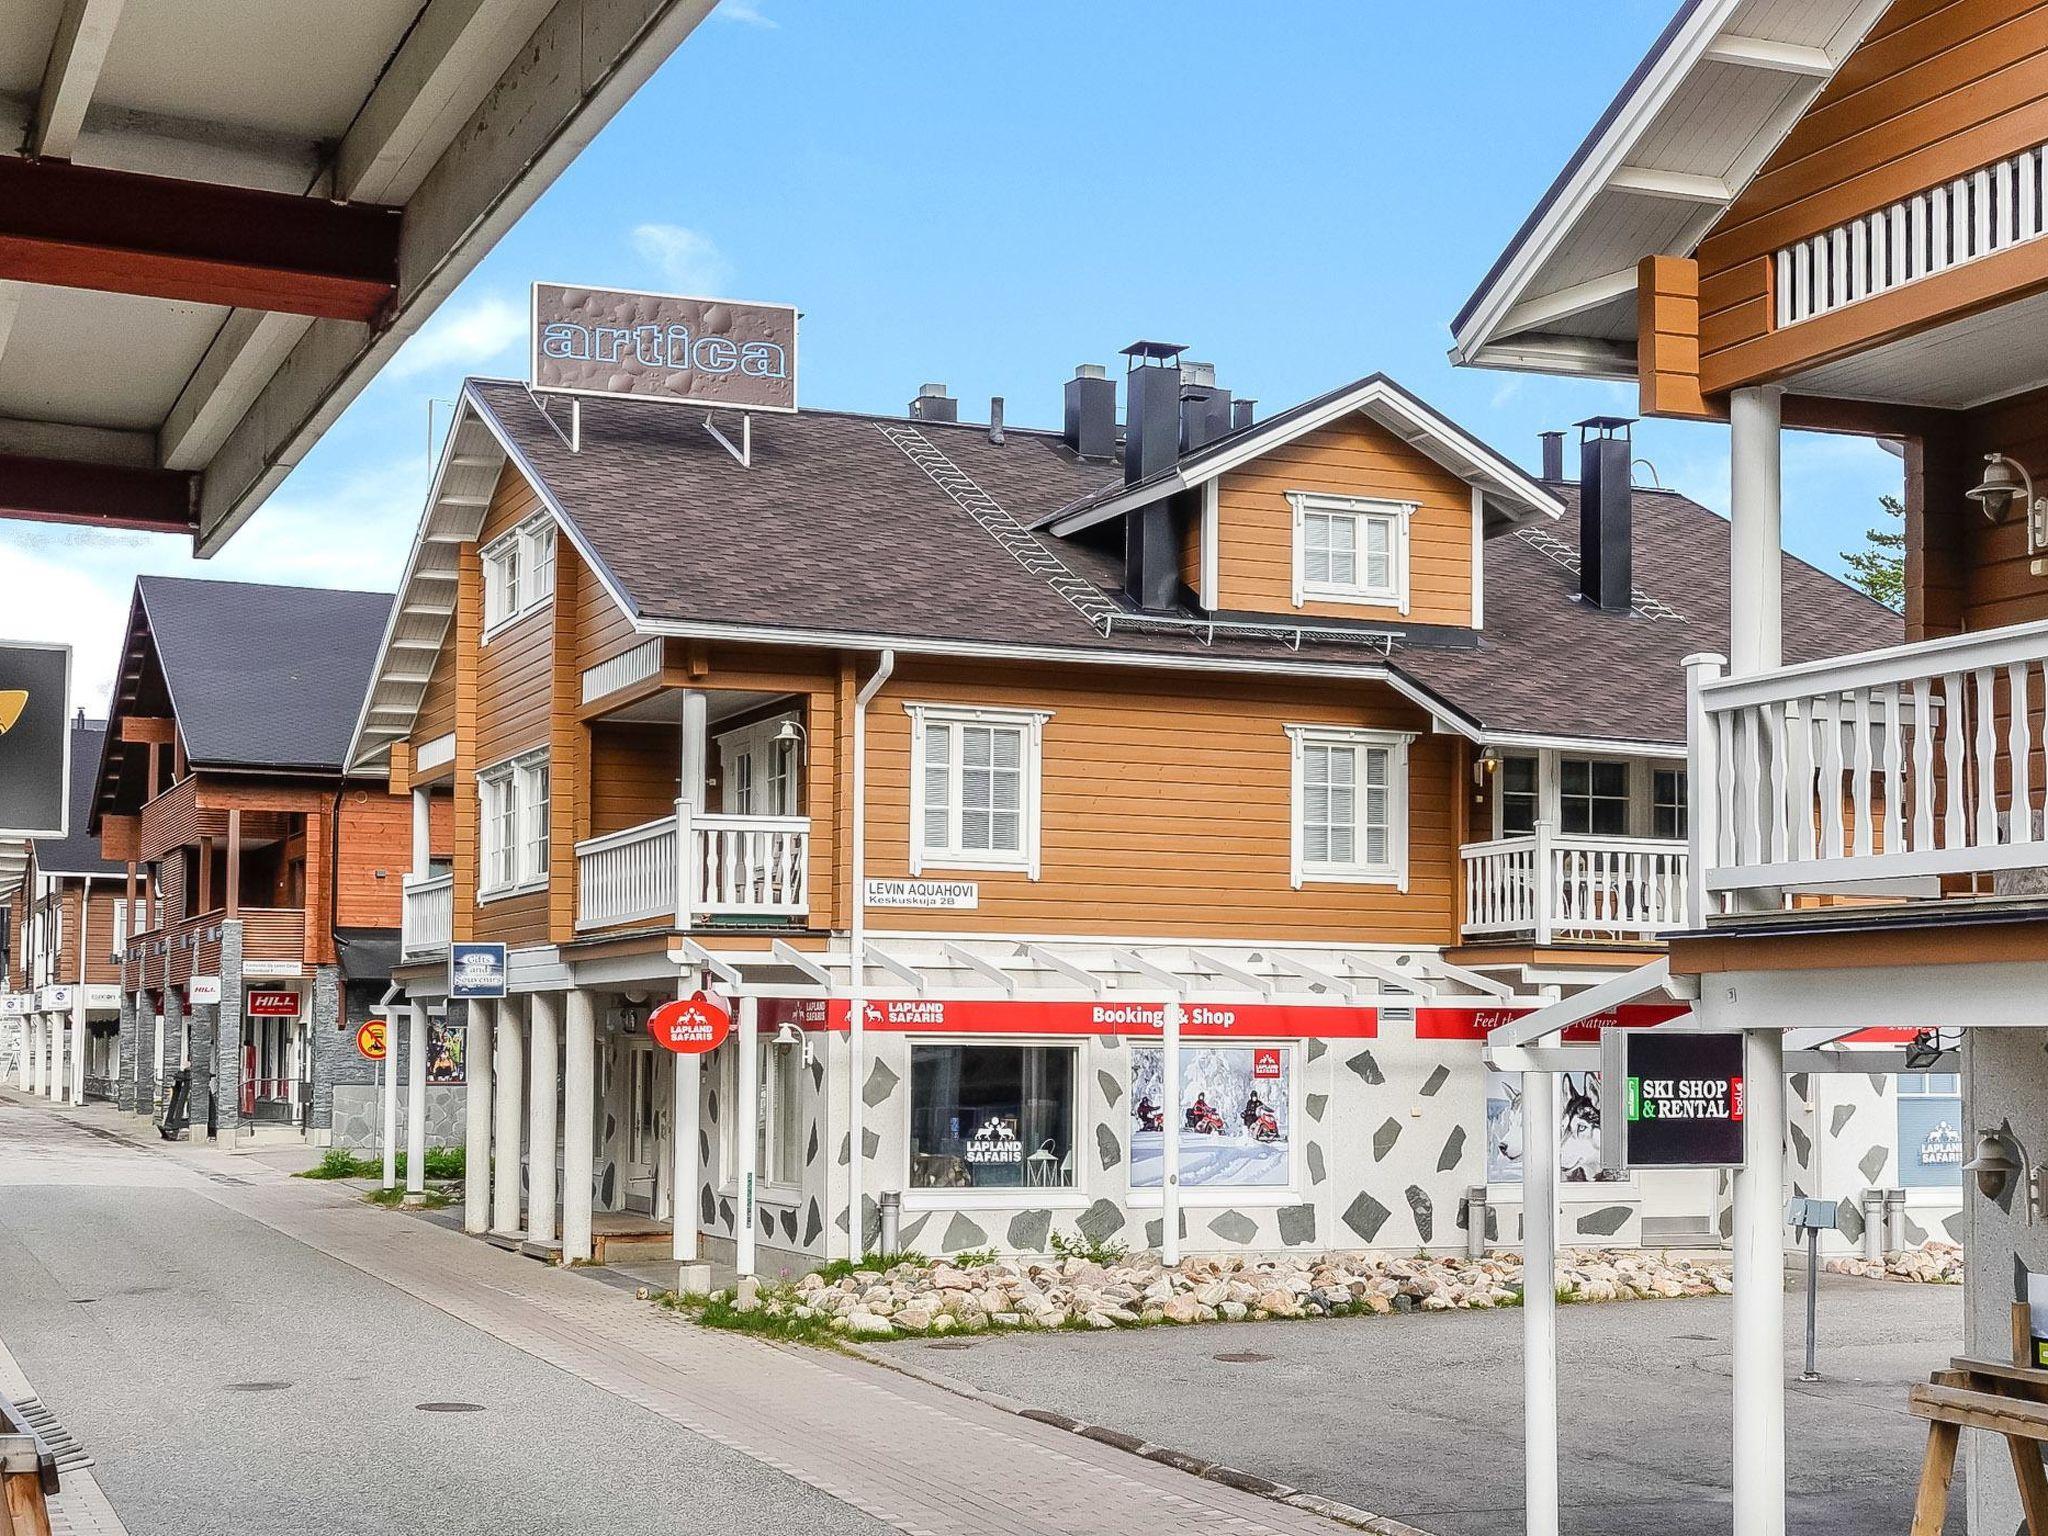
(1910, 772)
(427, 916)
(190, 946)
(1546, 887)
(737, 867)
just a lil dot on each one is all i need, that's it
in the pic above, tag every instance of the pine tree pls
(1879, 568)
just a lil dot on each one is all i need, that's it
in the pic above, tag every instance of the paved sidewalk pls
(911, 1455)
(80, 1507)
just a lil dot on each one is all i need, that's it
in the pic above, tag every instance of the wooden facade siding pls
(515, 665)
(1939, 89)
(568, 738)
(436, 717)
(375, 855)
(468, 627)
(603, 629)
(1353, 457)
(632, 777)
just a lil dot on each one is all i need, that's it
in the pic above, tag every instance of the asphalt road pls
(1420, 1417)
(229, 1379)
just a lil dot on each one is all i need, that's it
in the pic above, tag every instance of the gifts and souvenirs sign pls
(690, 1026)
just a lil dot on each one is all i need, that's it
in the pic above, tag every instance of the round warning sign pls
(690, 1026)
(370, 1039)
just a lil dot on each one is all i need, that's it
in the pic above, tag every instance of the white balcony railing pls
(739, 866)
(1895, 765)
(1552, 886)
(427, 916)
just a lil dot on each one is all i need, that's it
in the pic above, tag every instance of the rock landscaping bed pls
(914, 1296)
(1932, 1263)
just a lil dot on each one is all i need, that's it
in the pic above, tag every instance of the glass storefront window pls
(991, 1116)
(1236, 1116)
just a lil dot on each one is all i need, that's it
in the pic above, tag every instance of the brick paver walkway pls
(912, 1455)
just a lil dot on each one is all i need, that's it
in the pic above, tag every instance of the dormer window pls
(1350, 550)
(519, 572)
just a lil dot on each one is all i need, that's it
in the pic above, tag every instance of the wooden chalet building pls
(955, 752)
(1830, 214)
(273, 876)
(70, 921)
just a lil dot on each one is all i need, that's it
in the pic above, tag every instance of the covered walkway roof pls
(219, 220)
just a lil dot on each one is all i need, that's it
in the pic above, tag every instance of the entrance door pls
(642, 1082)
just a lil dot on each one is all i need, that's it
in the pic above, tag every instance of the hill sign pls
(1682, 1097)
(690, 1026)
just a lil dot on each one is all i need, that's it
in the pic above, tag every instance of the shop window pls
(992, 1116)
(1579, 1130)
(1237, 1116)
(1349, 550)
(1592, 797)
(513, 804)
(1930, 1130)
(519, 572)
(780, 1153)
(1521, 795)
(1667, 802)
(1350, 805)
(974, 788)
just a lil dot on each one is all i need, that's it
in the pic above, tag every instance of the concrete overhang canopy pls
(218, 221)
(1719, 90)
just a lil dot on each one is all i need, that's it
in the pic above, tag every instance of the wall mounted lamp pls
(2000, 1159)
(2005, 481)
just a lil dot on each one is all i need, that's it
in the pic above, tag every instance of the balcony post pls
(1756, 623)
(1544, 883)
(1702, 782)
(690, 773)
(422, 834)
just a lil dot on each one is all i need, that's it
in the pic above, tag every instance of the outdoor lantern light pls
(787, 1034)
(1485, 763)
(791, 731)
(2004, 481)
(1999, 1158)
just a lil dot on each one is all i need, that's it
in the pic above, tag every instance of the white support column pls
(691, 748)
(53, 1084)
(415, 1106)
(1169, 1176)
(508, 1118)
(1759, 1346)
(1756, 621)
(689, 1082)
(387, 1069)
(543, 1029)
(422, 833)
(24, 1061)
(32, 1052)
(579, 1123)
(479, 1070)
(1539, 1302)
(749, 1128)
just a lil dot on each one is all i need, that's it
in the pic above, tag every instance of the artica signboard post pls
(1681, 1098)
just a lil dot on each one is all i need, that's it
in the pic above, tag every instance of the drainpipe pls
(856, 1030)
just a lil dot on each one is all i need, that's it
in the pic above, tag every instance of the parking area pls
(1420, 1417)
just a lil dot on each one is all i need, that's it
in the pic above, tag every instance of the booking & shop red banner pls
(1025, 1016)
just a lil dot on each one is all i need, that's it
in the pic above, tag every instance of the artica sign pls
(666, 347)
(1681, 1096)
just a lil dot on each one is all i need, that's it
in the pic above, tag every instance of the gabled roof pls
(1719, 90)
(1510, 492)
(257, 677)
(79, 854)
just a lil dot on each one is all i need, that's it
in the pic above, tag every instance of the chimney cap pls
(1153, 351)
(1090, 371)
(1606, 426)
(931, 392)
(1202, 375)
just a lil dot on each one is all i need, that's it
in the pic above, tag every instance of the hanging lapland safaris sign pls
(690, 1026)
(665, 347)
(1681, 1097)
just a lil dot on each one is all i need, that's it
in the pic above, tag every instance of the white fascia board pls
(1676, 186)
(1573, 356)
(1763, 53)
(1532, 741)
(1117, 506)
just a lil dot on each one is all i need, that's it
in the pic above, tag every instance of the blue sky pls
(986, 195)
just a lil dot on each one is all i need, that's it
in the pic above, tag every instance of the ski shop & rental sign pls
(1682, 1098)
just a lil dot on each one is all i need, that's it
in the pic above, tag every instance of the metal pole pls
(857, 968)
(1759, 1343)
(1539, 1304)
(1812, 1371)
(749, 1128)
(1169, 1176)
(387, 1083)
(689, 1087)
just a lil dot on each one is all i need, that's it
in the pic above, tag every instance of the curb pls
(1180, 1461)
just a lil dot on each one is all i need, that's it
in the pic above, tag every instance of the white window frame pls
(1031, 723)
(1056, 1197)
(522, 778)
(1393, 871)
(533, 545)
(1399, 514)
(767, 1133)
(1150, 1197)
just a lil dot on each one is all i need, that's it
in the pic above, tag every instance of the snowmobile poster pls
(1237, 1110)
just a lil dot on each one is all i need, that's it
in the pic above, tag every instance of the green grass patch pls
(774, 1318)
(873, 1263)
(392, 1199)
(444, 1164)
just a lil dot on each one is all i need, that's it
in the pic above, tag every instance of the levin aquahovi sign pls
(664, 347)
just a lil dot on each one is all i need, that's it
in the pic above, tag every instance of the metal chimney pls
(1606, 576)
(1204, 409)
(1553, 456)
(1241, 412)
(995, 420)
(1091, 412)
(1152, 390)
(934, 404)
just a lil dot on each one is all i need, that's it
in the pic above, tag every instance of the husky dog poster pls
(1236, 1116)
(1578, 1134)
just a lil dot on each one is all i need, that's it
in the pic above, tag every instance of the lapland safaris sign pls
(664, 347)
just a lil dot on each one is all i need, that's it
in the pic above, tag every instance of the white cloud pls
(746, 14)
(685, 259)
(461, 338)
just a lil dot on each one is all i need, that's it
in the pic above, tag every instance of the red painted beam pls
(98, 495)
(78, 226)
